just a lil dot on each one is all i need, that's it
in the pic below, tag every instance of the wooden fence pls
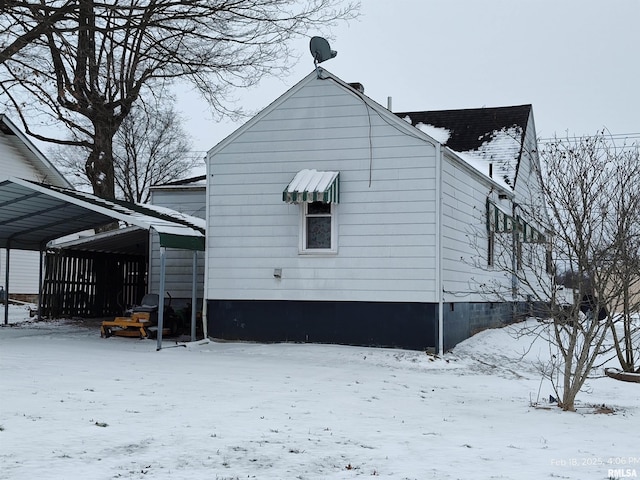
(91, 284)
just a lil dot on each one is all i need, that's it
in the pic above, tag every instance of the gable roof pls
(199, 181)
(398, 120)
(323, 74)
(31, 153)
(488, 135)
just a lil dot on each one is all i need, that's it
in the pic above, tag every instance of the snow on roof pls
(313, 186)
(480, 136)
(187, 219)
(311, 181)
(437, 133)
(198, 181)
(146, 214)
(501, 150)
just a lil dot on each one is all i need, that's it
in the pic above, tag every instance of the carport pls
(32, 214)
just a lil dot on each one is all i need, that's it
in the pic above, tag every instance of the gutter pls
(205, 291)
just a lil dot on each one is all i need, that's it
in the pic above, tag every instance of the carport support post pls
(194, 295)
(161, 297)
(40, 275)
(6, 285)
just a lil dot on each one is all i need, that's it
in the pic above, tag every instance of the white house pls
(188, 197)
(332, 219)
(20, 158)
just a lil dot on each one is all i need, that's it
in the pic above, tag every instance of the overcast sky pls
(576, 61)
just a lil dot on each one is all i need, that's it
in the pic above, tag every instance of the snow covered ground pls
(76, 406)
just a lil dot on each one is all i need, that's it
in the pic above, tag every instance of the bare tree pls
(19, 18)
(88, 67)
(149, 148)
(625, 235)
(591, 191)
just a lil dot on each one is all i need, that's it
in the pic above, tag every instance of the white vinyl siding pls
(24, 271)
(178, 263)
(14, 162)
(385, 227)
(465, 238)
(531, 207)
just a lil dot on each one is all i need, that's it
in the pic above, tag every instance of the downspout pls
(194, 295)
(439, 282)
(206, 252)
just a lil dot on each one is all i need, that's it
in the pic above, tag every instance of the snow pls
(195, 221)
(311, 181)
(439, 134)
(76, 406)
(502, 150)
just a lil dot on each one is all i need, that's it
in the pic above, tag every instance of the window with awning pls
(313, 186)
(317, 192)
(498, 220)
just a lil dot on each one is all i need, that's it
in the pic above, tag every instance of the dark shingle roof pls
(470, 128)
(491, 135)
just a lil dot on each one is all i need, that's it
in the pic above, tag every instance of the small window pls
(518, 241)
(318, 227)
(491, 246)
(492, 214)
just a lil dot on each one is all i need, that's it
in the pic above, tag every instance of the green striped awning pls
(500, 221)
(529, 233)
(313, 186)
(497, 219)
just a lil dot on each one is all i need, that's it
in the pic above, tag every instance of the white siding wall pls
(23, 272)
(464, 244)
(386, 229)
(532, 206)
(179, 263)
(13, 162)
(466, 274)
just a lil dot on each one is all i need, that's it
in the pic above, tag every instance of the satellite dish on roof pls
(320, 50)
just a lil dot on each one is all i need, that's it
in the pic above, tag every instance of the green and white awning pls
(313, 186)
(498, 220)
(529, 233)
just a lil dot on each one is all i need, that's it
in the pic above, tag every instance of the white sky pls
(576, 61)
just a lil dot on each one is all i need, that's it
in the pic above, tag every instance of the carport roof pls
(130, 240)
(32, 214)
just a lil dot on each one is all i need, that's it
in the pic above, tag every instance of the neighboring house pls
(20, 158)
(189, 197)
(331, 219)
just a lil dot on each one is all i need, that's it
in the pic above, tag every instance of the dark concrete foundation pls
(411, 326)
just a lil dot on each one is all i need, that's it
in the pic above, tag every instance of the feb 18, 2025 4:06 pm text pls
(617, 467)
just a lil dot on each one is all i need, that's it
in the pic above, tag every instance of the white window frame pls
(302, 247)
